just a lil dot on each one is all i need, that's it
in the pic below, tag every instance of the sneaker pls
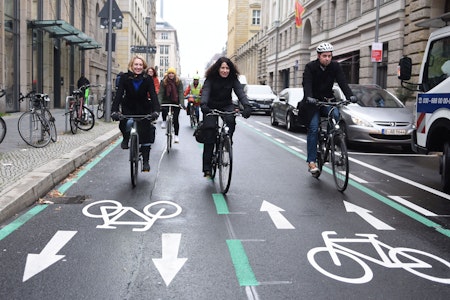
(146, 166)
(207, 174)
(163, 124)
(313, 169)
(176, 139)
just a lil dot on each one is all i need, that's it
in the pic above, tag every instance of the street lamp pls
(147, 22)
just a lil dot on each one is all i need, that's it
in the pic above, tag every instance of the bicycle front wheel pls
(100, 109)
(2, 129)
(225, 164)
(339, 161)
(134, 159)
(169, 134)
(85, 118)
(34, 129)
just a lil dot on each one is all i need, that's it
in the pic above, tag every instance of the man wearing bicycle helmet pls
(318, 79)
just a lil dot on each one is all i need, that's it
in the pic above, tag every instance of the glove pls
(353, 99)
(115, 115)
(247, 112)
(154, 115)
(205, 109)
(311, 100)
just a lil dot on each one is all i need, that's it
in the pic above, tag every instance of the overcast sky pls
(201, 28)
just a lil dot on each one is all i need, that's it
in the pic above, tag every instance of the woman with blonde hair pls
(136, 95)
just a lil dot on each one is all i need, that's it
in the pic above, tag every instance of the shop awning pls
(62, 29)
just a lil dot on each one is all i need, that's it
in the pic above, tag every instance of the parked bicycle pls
(169, 125)
(80, 115)
(37, 126)
(102, 105)
(135, 149)
(2, 122)
(331, 146)
(223, 151)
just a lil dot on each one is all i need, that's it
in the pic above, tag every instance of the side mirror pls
(282, 99)
(404, 68)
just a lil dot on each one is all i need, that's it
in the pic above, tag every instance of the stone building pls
(45, 45)
(282, 50)
(168, 54)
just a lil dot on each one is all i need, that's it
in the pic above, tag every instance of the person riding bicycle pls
(136, 96)
(83, 84)
(318, 79)
(194, 89)
(152, 73)
(221, 79)
(171, 92)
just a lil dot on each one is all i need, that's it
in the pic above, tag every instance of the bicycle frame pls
(170, 125)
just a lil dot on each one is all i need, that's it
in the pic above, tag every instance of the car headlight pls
(360, 122)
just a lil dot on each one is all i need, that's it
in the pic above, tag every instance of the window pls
(437, 66)
(164, 49)
(164, 35)
(256, 17)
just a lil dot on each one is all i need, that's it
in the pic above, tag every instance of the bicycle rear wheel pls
(2, 129)
(85, 120)
(134, 159)
(169, 133)
(101, 109)
(51, 121)
(225, 164)
(73, 121)
(34, 129)
(339, 162)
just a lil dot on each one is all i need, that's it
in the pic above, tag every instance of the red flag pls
(299, 11)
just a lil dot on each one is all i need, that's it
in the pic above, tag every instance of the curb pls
(44, 178)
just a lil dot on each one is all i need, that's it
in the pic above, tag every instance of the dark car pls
(284, 109)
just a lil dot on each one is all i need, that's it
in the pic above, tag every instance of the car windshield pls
(259, 89)
(374, 97)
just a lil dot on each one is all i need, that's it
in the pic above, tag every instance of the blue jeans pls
(313, 128)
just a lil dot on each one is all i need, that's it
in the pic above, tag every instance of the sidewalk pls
(28, 173)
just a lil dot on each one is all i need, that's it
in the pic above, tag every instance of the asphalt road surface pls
(277, 234)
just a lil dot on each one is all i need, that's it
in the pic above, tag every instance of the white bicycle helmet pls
(324, 47)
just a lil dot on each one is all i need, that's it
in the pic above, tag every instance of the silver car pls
(378, 117)
(284, 109)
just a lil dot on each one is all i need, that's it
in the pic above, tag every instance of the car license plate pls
(264, 106)
(393, 131)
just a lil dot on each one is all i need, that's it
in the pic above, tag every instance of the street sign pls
(142, 49)
(116, 17)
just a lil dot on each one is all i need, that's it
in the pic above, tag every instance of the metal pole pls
(377, 21)
(108, 74)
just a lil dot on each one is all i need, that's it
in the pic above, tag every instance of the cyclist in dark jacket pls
(136, 96)
(318, 79)
(221, 79)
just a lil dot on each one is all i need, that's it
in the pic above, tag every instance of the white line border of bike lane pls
(406, 211)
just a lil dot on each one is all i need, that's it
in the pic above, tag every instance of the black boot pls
(145, 157)
(126, 138)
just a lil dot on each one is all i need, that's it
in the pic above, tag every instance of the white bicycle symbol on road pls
(111, 211)
(394, 258)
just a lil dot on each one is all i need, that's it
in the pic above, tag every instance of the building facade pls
(168, 54)
(282, 50)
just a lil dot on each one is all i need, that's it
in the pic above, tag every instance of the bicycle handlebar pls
(139, 117)
(216, 112)
(171, 105)
(338, 103)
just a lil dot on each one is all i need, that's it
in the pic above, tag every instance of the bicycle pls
(387, 256)
(33, 126)
(2, 122)
(331, 145)
(194, 106)
(101, 106)
(223, 151)
(81, 117)
(135, 150)
(169, 125)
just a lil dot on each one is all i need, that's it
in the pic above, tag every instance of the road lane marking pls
(274, 212)
(221, 204)
(169, 264)
(243, 270)
(11, 227)
(412, 214)
(366, 215)
(413, 206)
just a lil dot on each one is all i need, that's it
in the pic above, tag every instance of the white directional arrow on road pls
(169, 264)
(48, 256)
(366, 215)
(275, 214)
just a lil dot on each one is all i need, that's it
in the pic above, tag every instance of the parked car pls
(284, 109)
(378, 117)
(260, 97)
